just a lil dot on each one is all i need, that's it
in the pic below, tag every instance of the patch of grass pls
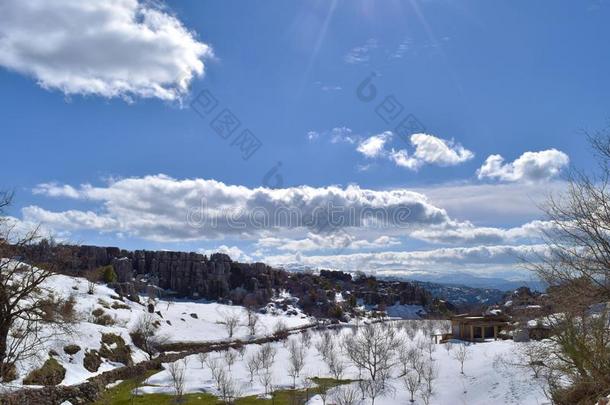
(121, 395)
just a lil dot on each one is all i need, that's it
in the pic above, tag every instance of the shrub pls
(9, 373)
(105, 320)
(108, 274)
(120, 353)
(102, 318)
(56, 309)
(119, 305)
(97, 312)
(103, 303)
(66, 309)
(51, 373)
(71, 349)
(92, 361)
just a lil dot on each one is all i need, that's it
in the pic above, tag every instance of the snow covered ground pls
(203, 326)
(207, 325)
(486, 379)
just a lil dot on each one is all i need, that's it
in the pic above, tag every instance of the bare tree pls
(241, 350)
(296, 360)
(266, 356)
(410, 358)
(280, 329)
(230, 322)
(461, 354)
(252, 365)
(228, 388)
(576, 265)
(335, 364)
(306, 338)
(24, 300)
(430, 347)
(202, 357)
(266, 380)
(425, 395)
(345, 395)
(144, 335)
(412, 382)
(252, 321)
(177, 371)
(307, 385)
(230, 357)
(448, 346)
(375, 388)
(215, 369)
(325, 345)
(373, 349)
(429, 374)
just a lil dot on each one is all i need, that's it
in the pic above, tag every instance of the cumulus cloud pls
(529, 167)
(373, 146)
(162, 208)
(430, 149)
(115, 48)
(483, 259)
(340, 241)
(303, 218)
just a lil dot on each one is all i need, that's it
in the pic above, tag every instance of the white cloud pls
(361, 54)
(166, 209)
(337, 241)
(529, 167)
(486, 203)
(335, 135)
(235, 253)
(114, 48)
(373, 146)
(467, 233)
(402, 159)
(430, 149)
(485, 260)
(313, 135)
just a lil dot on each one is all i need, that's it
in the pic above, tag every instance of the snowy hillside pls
(103, 312)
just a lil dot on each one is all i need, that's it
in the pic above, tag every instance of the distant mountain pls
(470, 280)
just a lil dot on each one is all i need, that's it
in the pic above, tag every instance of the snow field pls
(487, 379)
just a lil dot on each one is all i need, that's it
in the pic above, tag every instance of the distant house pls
(478, 327)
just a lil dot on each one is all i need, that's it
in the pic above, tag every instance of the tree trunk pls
(4, 330)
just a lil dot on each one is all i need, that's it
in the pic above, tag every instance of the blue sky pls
(483, 78)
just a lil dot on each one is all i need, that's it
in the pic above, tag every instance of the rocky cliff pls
(184, 274)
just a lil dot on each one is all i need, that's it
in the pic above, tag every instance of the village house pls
(478, 327)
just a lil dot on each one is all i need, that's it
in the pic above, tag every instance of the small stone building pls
(478, 327)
